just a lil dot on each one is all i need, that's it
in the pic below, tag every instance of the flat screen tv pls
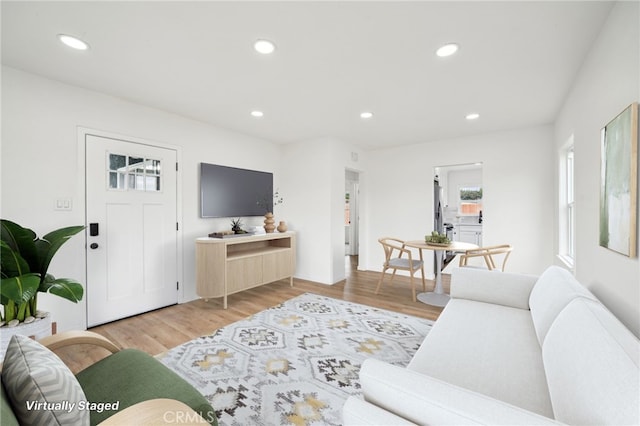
(229, 191)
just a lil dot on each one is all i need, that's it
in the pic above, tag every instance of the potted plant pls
(25, 260)
(236, 226)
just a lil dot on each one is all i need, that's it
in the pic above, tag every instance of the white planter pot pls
(40, 328)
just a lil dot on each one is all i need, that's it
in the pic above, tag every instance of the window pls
(570, 206)
(133, 173)
(470, 200)
(567, 213)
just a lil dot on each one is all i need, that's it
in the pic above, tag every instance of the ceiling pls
(333, 60)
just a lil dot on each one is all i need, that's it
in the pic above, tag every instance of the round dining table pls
(438, 297)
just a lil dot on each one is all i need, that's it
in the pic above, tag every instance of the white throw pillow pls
(41, 387)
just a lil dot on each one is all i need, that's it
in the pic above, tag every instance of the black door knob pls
(94, 246)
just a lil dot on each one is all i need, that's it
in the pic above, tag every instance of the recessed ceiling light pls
(257, 114)
(264, 46)
(473, 116)
(366, 115)
(73, 42)
(447, 50)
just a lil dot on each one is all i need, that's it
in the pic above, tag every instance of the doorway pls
(132, 238)
(351, 219)
(458, 205)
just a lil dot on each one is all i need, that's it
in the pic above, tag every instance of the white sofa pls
(510, 349)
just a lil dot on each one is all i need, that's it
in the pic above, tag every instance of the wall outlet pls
(65, 204)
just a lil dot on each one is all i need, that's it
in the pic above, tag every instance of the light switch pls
(63, 204)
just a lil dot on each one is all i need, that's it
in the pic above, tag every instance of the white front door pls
(131, 228)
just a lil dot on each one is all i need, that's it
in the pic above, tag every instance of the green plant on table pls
(25, 260)
(437, 238)
(236, 226)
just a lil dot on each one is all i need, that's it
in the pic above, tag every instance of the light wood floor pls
(157, 331)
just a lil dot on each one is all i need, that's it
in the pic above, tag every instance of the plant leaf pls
(20, 289)
(21, 240)
(49, 245)
(64, 287)
(11, 263)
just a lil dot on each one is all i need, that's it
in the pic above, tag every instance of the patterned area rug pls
(295, 363)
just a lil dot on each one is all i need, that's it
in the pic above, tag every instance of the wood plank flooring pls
(157, 331)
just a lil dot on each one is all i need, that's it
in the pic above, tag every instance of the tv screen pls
(228, 191)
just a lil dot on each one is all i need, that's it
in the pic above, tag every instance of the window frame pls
(567, 207)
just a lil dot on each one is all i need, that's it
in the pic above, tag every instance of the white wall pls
(517, 174)
(607, 83)
(41, 161)
(315, 172)
(310, 208)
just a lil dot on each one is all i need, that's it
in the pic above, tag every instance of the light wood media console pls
(226, 266)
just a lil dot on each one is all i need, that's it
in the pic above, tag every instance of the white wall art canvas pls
(619, 182)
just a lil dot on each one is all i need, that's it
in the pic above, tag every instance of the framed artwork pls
(619, 182)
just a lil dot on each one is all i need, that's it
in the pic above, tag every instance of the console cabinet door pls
(244, 273)
(277, 266)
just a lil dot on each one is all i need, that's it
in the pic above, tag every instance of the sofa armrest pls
(358, 412)
(500, 288)
(425, 400)
(77, 337)
(156, 412)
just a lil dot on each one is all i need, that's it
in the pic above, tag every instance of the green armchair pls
(126, 387)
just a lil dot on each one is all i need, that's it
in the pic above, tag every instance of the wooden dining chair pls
(394, 249)
(493, 256)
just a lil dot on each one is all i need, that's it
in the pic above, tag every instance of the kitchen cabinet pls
(468, 233)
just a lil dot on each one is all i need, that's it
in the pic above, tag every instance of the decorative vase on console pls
(269, 226)
(282, 226)
(268, 202)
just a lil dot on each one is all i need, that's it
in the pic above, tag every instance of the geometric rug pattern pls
(295, 363)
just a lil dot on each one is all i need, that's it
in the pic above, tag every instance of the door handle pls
(94, 246)
(93, 230)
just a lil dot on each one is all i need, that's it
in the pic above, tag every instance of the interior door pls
(132, 228)
(355, 217)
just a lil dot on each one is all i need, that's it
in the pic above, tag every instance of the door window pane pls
(117, 161)
(152, 183)
(154, 167)
(133, 173)
(117, 180)
(136, 165)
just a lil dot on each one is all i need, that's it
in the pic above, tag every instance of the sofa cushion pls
(134, 376)
(592, 365)
(555, 288)
(428, 401)
(40, 386)
(499, 288)
(490, 349)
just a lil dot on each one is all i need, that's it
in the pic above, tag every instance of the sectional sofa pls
(510, 349)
